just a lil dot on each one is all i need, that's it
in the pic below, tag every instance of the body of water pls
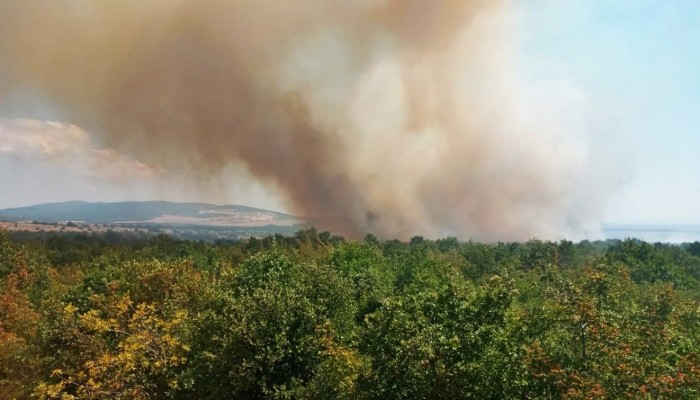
(654, 233)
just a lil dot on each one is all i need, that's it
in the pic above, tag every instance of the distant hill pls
(164, 212)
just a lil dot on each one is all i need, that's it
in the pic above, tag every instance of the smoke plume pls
(397, 117)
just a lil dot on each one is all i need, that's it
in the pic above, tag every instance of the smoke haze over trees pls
(381, 116)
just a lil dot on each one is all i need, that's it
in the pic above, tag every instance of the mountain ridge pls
(151, 211)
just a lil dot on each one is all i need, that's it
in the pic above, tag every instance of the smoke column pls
(398, 117)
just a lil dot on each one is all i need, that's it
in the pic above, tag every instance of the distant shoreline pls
(666, 233)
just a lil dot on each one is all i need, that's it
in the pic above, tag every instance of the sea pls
(653, 233)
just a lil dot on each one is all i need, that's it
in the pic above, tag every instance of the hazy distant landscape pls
(664, 233)
(193, 221)
(201, 221)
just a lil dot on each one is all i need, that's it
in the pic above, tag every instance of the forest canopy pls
(314, 316)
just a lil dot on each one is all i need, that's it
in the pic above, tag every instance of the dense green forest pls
(313, 316)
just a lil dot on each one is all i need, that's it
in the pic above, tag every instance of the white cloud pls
(45, 161)
(68, 148)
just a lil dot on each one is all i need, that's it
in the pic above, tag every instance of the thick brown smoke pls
(397, 117)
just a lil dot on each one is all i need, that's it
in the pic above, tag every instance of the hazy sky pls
(636, 63)
(626, 69)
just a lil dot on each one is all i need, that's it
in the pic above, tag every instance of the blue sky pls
(637, 63)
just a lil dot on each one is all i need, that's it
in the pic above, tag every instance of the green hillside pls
(133, 211)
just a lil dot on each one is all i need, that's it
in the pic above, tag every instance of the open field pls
(64, 226)
(40, 230)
